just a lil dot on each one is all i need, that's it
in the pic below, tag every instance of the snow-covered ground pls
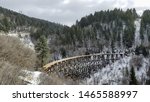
(24, 37)
(114, 73)
(31, 77)
(137, 24)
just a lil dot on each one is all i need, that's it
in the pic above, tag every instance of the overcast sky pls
(68, 11)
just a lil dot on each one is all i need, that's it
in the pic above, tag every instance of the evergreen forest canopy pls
(105, 26)
(10, 20)
(110, 28)
(145, 25)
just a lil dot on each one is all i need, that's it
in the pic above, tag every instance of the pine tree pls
(126, 72)
(7, 25)
(63, 52)
(133, 80)
(42, 50)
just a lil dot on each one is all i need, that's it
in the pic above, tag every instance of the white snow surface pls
(24, 37)
(31, 77)
(113, 74)
(137, 24)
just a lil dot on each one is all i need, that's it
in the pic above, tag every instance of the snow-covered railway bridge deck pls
(79, 67)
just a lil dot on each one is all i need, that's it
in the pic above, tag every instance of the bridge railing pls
(72, 61)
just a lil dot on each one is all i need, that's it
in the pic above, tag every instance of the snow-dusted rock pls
(23, 36)
(31, 77)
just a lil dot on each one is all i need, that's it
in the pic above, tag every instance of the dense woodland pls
(10, 20)
(98, 29)
(102, 28)
(111, 29)
(145, 25)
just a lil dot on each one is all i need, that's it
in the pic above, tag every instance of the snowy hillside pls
(137, 24)
(24, 37)
(115, 73)
(110, 31)
(31, 78)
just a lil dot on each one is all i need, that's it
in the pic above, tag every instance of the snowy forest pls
(27, 44)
